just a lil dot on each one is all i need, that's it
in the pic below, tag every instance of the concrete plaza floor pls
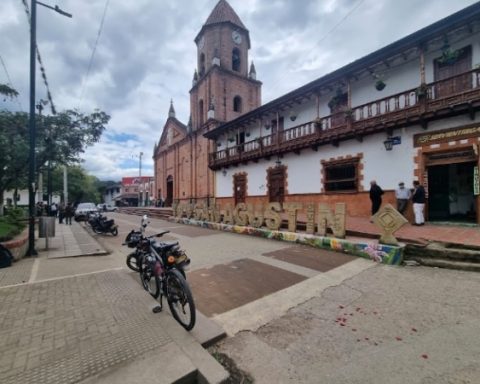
(67, 318)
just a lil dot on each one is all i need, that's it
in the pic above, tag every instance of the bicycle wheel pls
(133, 262)
(150, 282)
(180, 299)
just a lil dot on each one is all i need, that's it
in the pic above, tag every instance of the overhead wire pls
(340, 21)
(100, 29)
(39, 59)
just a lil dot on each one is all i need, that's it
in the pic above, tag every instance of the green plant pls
(449, 57)
(339, 99)
(349, 113)
(422, 91)
(380, 85)
(12, 223)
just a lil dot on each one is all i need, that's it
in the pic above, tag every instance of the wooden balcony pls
(453, 96)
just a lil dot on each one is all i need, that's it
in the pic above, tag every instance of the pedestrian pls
(61, 212)
(69, 211)
(418, 199)
(53, 210)
(403, 195)
(375, 196)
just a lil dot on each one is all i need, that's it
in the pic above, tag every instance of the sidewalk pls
(456, 234)
(70, 241)
(95, 327)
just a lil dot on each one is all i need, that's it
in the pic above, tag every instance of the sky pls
(145, 56)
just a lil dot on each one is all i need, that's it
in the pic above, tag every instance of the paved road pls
(356, 323)
(294, 314)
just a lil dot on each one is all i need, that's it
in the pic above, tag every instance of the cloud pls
(146, 56)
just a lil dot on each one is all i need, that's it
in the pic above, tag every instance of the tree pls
(8, 91)
(81, 186)
(60, 139)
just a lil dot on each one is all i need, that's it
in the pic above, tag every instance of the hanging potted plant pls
(380, 85)
(339, 99)
(422, 91)
(379, 82)
(349, 113)
(449, 56)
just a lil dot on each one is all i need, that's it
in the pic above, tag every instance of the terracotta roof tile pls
(223, 12)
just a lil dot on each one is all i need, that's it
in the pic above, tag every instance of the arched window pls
(237, 104)
(202, 64)
(236, 59)
(200, 112)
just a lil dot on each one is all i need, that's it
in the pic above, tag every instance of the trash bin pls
(46, 226)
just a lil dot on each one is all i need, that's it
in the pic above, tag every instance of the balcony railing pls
(412, 105)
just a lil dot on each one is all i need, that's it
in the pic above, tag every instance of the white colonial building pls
(406, 112)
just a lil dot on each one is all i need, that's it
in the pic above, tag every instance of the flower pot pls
(380, 85)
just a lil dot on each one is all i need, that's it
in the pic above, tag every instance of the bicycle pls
(161, 276)
(161, 266)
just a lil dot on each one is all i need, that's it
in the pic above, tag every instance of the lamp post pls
(31, 123)
(140, 194)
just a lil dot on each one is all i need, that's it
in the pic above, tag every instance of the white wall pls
(388, 168)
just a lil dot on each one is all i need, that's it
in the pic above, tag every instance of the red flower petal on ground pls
(366, 338)
(358, 309)
(341, 306)
(342, 324)
(414, 330)
(425, 356)
(398, 338)
(375, 313)
(354, 329)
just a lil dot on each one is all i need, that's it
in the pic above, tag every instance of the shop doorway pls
(450, 192)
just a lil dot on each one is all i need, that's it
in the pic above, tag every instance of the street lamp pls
(31, 123)
(140, 194)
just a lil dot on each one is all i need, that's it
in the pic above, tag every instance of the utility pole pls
(31, 123)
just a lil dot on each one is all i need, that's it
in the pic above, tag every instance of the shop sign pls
(446, 135)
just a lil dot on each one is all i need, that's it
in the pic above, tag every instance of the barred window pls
(341, 176)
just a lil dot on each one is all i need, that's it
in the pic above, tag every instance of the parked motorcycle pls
(136, 239)
(101, 224)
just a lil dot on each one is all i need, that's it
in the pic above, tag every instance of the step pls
(446, 263)
(442, 251)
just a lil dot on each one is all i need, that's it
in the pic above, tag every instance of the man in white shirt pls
(403, 195)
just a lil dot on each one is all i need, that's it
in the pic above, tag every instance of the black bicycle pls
(161, 266)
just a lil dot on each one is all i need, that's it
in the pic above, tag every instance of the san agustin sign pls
(270, 216)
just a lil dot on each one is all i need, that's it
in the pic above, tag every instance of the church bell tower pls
(224, 84)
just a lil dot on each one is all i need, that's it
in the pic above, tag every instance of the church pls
(407, 112)
(224, 87)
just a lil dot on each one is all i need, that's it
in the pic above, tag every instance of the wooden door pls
(276, 184)
(240, 188)
(169, 198)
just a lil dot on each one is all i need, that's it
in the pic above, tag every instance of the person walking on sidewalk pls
(61, 212)
(375, 196)
(418, 199)
(69, 211)
(403, 195)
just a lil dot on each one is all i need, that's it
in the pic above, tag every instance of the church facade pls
(224, 87)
